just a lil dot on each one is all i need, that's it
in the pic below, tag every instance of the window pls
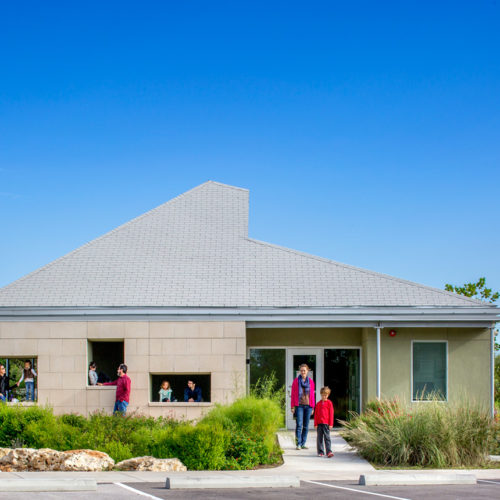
(14, 369)
(178, 383)
(429, 371)
(107, 355)
(265, 362)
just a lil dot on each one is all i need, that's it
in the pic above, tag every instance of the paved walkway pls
(346, 464)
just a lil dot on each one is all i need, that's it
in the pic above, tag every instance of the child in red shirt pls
(323, 420)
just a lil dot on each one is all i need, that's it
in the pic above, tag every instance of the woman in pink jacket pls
(303, 403)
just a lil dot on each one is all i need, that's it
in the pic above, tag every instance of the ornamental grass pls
(423, 434)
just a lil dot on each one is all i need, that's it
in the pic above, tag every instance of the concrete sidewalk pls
(346, 465)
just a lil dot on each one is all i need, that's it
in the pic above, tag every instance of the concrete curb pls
(177, 482)
(406, 479)
(48, 485)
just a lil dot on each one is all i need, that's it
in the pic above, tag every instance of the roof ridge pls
(367, 271)
(237, 188)
(105, 235)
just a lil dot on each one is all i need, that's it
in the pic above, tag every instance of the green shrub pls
(238, 436)
(201, 447)
(14, 419)
(431, 434)
(252, 424)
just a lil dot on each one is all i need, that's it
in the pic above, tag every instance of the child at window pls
(28, 376)
(323, 420)
(93, 373)
(165, 392)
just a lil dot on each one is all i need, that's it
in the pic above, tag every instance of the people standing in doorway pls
(323, 421)
(28, 375)
(302, 402)
(93, 373)
(123, 384)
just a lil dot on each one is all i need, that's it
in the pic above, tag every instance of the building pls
(182, 292)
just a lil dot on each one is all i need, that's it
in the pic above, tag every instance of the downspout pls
(492, 371)
(378, 362)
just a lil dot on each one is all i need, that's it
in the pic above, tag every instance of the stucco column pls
(378, 362)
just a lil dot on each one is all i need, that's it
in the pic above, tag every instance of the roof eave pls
(363, 315)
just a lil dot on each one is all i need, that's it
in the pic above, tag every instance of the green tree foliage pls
(475, 290)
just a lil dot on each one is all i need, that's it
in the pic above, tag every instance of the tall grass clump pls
(426, 434)
(267, 387)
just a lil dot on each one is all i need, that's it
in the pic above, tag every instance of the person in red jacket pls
(122, 390)
(323, 420)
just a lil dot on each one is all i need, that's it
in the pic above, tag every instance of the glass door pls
(342, 375)
(295, 357)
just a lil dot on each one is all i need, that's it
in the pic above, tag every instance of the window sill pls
(21, 403)
(180, 404)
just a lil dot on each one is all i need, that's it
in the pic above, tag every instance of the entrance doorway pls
(337, 367)
(314, 360)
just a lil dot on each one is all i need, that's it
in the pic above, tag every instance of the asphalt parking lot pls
(485, 489)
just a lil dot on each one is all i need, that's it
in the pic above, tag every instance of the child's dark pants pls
(323, 433)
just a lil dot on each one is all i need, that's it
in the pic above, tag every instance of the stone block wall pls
(150, 347)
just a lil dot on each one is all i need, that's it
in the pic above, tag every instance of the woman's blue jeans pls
(303, 414)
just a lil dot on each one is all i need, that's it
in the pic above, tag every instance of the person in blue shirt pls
(192, 394)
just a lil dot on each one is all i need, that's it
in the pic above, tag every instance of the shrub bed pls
(430, 434)
(239, 436)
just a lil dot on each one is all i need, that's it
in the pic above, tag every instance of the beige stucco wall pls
(468, 356)
(468, 361)
(150, 347)
(312, 337)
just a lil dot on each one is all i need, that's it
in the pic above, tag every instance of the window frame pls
(178, 403)
(441, 341)
(95, 341)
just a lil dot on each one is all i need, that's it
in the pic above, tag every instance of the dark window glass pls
(429, 371)
(342, 376)
(178, 383)
(107, 356)
(263, 362)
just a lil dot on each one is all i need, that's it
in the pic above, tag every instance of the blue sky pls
(367, 132)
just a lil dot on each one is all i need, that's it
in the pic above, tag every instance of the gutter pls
(257, 317)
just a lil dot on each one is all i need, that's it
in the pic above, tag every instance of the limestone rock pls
(152, 464)
(86, 460)
(4, 451)
(45, 459)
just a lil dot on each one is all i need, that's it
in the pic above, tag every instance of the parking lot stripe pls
(357, 491)
(139, 492)
(486, 481)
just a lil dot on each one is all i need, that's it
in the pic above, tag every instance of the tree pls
(475, 290)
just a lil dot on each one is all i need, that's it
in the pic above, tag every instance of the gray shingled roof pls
(194, 251)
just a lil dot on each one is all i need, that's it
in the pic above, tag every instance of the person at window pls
(123, 384)
(28, 375)
(192, 394)
(302, 403)
(93, 373)
(4, 384)
(165, 392)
